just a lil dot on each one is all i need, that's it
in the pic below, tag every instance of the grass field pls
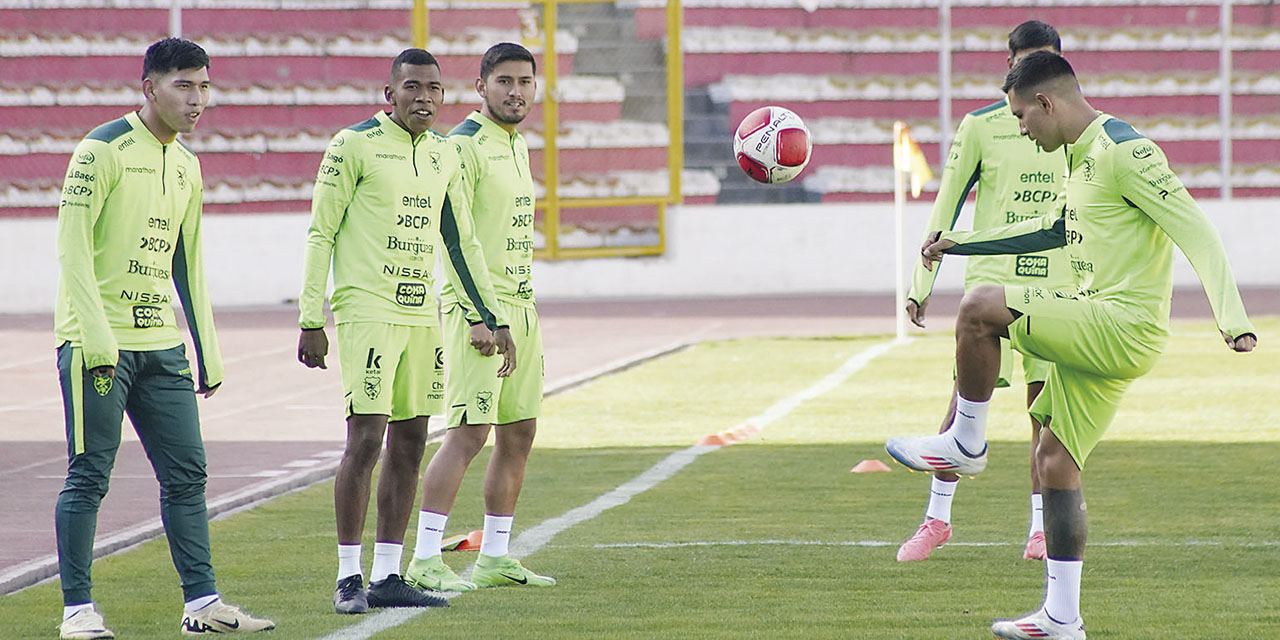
(775, 538)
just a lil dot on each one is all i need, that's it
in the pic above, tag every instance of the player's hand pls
(313, 346)
(933, 248)
(208, 392)
(105, 371)
(1243, 344)
(507, 347)
(482, 339)
(915, 312)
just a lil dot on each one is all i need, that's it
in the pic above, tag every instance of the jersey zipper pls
(414, 143)
(513, 156)
(163, 156)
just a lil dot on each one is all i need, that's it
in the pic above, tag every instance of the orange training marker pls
(869, 466)
(472, 541)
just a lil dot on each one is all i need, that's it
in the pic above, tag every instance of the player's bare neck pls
(156, 126)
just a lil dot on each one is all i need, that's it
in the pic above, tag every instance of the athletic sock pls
(72, 609)
(497, 535)
(1037, 514)
(386, 560)
(430, 534)
(970, 425)
(1062, 589)
(940, 494)
(348, 560)
(196, 604)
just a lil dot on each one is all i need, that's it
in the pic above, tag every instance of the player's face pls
(178, 98)
(1035, 119)
(508, 91)
(415, 94)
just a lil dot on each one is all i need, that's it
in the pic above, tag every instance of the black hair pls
(1035, 69)
(413, 56)
(1033, 34)
(502, 52)
(173, 54)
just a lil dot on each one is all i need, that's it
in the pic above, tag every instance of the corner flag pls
(908, 157)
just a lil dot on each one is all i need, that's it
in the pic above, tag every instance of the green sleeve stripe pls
(1120, 131)
(988, 109)
(449, 231)
(964, 195)
(183, 286)
(1036, 241)
(110, 131)
(467, 128)
(371, 123)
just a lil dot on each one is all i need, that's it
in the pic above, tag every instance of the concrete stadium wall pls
(712, 251)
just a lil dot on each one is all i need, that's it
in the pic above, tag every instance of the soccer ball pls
(772, 145)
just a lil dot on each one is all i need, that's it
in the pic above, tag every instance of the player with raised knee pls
(388, 193)
(1124, 211)
(1016, 181)
(500, 186)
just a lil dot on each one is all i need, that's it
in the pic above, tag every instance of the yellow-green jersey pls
(499, 185)
(383, 202)
(1124, 211)
(1016, 181)
(128, 236)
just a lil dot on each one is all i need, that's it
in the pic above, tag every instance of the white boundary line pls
(536, 537)
(885, 543)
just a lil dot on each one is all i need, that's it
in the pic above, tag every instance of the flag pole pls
(899, 201)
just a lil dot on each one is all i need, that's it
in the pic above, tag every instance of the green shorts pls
(1096, 349)
(391, 370)
(475, 393)
(1033, 369)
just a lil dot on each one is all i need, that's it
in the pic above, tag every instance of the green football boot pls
(502, 571)
(432, 573)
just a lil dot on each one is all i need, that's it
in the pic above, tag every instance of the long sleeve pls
(961, 172)
(1149, 184)
(1028, 236)
(90, 177)
(193, 290)
(465, 266)
(335, 189)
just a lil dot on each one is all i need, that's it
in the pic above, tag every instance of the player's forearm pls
(1028, 236)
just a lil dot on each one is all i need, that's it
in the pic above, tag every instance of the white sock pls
(940, 494)
(386, 560)
(72, 609)
(970, 425)
(1062, 589)
(348, 560)
(197, 604)
(497, 535)
(430, 534)
(1037, 514)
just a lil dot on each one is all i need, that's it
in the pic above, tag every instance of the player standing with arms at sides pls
(387, 194)
(500, 189)
(1124, 211)
(1016, 181)
(128, 234)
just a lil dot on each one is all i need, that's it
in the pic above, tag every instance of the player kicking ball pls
(1124, 211)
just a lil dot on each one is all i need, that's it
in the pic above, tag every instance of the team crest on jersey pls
(182, 177)
(372, 387)
(435, 160)
(102, 384)
(1088, 169)
(484, 401)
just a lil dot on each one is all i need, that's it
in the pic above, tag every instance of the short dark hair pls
(502, 52)
(1035, 69)
(413, 56)
(1033, 34)
(172, 54)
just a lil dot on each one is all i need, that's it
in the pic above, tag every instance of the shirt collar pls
(385, 120)
(492, 127)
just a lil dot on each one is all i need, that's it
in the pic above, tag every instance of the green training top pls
(1124, 211)
(1016, 181)
(382, 204)
(499, 185)
(128, 235)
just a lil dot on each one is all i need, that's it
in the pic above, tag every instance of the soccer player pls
(1124, 211)
(500, 188)
(1016, 181)
(128, 234)
(387, 194)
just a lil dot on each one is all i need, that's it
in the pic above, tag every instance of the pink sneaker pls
(933, 533)
(1035, 547)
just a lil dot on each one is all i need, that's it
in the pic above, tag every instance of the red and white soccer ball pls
(772, 145)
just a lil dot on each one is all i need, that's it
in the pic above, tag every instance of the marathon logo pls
(147, 317)
(1032, 266)
(389, 156)
(411, 294)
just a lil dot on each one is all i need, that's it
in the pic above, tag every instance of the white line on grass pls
(536, 537)
(884, 543)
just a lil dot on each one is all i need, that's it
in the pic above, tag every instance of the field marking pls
(886, 543)
(537, 536)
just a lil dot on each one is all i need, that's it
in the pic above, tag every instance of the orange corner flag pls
(908, 157)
